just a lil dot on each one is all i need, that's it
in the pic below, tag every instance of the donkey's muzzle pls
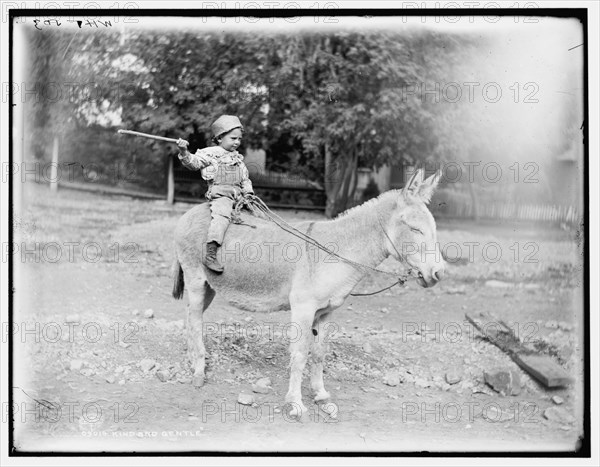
(429, 280)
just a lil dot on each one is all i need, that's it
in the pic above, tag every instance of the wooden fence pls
(288, 191)
(279, 190)
(511, 211)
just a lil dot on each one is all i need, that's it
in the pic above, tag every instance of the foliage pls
(321, 104)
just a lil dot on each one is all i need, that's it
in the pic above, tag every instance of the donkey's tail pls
(178, 282)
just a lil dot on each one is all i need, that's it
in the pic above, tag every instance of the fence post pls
(170, 182)
(54, 166)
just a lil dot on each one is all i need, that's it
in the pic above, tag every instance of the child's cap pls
(225, 123)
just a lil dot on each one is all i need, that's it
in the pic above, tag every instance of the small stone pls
(74, 318)
(498, 284)
(248, 319)
(565, 326)
(87, 372)
(119, 369)
(149, 313)
(422, 383)
(392, 378)
(453, 376)
(124, 345)
(76, 365)
(245, 399)
(121, 382)
(557, 400)
(135, 312)
(110, 379)
(367, 348)
(558, 414)
(147, 364)
(503, 381)
(385, 311)
(185, 380)
(262, 386)
(162, 375)
(456, 290)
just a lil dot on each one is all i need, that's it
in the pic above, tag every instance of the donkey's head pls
(412, 229)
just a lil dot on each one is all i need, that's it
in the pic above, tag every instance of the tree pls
(352, 106)
(339, 99)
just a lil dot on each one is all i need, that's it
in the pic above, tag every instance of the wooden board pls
(541, 367)
(544, 370)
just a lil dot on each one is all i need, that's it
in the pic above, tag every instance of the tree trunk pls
(474, 203)
(54, 166)
(340, 181)
(170, 181)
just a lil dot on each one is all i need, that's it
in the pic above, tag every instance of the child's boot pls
(210, 259)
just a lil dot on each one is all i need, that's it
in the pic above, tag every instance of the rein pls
(254, 203)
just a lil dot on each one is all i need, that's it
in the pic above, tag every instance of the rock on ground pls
(245, 399)
(504, 381)
(453, 376)
(76, 365)
(147, 364)
(392, 378)
(262, 386)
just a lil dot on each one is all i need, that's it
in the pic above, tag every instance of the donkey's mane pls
(385, 196)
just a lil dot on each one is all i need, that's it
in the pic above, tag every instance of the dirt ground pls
(100, 359)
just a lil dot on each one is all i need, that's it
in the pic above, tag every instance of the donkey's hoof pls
(198, 381)
(322, 396)
(297, 409)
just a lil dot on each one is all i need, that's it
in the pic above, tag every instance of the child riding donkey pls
(227, 176)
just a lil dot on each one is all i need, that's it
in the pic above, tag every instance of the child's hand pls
(182, 145)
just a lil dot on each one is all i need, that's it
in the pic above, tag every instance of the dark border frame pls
(584, 449)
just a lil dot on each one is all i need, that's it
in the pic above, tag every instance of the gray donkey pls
(268, 269)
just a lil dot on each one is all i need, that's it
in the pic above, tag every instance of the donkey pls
(268, 269)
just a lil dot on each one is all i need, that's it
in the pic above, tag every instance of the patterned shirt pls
(209, 159)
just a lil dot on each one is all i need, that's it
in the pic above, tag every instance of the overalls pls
(223, 192)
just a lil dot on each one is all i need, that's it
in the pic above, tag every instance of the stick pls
(146, 135)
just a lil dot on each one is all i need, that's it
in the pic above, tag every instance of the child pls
(227, 178)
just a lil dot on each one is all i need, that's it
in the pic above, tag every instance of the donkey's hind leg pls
(319, 347)
(200, 295)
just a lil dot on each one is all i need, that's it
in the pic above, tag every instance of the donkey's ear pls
(426, 189)
(411, 188)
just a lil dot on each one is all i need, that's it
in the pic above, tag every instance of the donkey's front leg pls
(318, 358)
(302, 319)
